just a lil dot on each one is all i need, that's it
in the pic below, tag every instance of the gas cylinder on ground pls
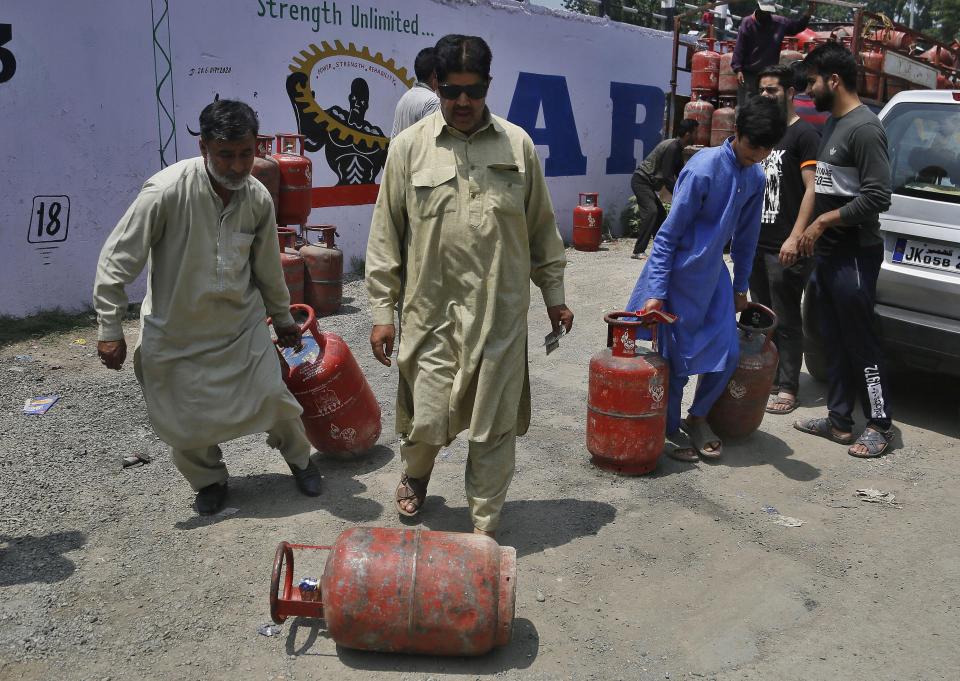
(705, 70)
(406, 591)
(292, 264)
(740, 409)
(340, 413)
(701, 111)
(296, 180)
(789, 53)
(627, 397)
(724, 118)
(728, 84)
(587, 222)
(324, 262)
(872, 59)
(266, 169)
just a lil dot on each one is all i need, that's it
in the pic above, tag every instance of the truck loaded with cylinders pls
(912, 81)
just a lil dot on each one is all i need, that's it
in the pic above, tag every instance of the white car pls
(918, 291)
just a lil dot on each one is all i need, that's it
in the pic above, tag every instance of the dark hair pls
(761, 120)
(226, 120)
(686, 125)
(831, 58)
(783, 74)
(461, 54)
(425, 64)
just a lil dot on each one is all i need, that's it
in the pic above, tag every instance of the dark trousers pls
(781, 289)
(845, 287)
(750, 87)
(650, 211)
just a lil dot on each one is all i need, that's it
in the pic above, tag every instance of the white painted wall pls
(80, 117)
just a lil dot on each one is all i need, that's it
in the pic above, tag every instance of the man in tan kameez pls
(205, 359)
(463, 222)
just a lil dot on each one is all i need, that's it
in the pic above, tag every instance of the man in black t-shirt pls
(791, 171)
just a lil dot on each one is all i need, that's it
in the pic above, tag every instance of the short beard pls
(825, 101)
(225, 182)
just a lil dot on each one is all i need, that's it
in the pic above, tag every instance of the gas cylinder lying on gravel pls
(404, 591)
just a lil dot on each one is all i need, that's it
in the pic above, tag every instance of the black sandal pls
(876, 442)
(411, 489)
(823, 427)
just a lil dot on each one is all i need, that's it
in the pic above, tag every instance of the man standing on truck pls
(779, 276)
(852, 189)
(758, 44)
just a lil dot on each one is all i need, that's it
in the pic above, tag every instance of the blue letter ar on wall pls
(559, 131)
(627, 97)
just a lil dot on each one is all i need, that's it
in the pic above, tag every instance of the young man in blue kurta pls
(718, 200)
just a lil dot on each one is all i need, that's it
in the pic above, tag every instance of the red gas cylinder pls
(789, 52)
(324, 262)
(340, 413)
(724, 118)
(627, 398)
(944, 81)
(741, 407)
(939, 55)
(873, 65)
(705, 70)
(266, 169)
(728, 84)
(896, 85)
(701, 111)
(587, 222)
(296, 180)
(898, 40)
(292, 264)
(803, 37)
(405, 591)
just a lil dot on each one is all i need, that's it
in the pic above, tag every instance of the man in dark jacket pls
(659, 169)
(758, 44)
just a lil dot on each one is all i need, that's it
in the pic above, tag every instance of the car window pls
(924, 143)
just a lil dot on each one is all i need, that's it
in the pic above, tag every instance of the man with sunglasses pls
(463, 222)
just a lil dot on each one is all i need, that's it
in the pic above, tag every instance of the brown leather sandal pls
(411, 489)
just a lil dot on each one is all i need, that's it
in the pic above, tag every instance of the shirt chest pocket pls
(435, 190)
(237, 251)
(506, 190)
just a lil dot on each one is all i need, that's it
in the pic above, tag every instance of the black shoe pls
(211, 498)
(308, 479)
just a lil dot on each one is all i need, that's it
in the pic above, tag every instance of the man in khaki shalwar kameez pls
(463, 222)
(205, 359)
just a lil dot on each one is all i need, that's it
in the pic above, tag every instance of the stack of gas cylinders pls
(313, 271)
(713, 82)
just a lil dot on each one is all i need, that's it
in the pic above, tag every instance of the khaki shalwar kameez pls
(204, 359)
(461, 226)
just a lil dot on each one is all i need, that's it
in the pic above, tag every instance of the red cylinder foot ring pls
(289, 604)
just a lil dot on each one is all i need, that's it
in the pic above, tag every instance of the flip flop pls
(876, 442)
(680, 451)
(822, 427)
(789, 402)
(700, 435)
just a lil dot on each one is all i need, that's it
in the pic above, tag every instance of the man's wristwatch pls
(742, 294)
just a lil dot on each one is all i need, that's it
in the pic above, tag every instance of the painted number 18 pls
(50, 219)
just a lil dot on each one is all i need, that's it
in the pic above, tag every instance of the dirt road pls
(107, 573)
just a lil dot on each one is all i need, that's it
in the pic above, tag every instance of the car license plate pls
(923, 254)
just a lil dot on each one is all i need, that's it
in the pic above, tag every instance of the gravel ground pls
(107, 573)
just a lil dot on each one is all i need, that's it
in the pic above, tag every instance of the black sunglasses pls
(475, 91)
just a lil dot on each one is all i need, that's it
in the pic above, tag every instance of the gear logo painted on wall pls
(343, 98)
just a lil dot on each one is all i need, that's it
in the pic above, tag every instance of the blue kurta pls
(716, 200)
